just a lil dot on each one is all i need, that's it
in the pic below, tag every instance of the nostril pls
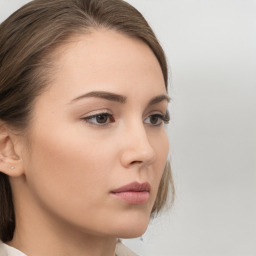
(136, 162)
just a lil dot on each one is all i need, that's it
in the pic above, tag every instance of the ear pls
(11, 163)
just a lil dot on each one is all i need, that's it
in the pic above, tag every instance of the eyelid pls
(165, 114)
(96, 112)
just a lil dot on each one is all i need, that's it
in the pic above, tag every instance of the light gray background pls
(211, 48)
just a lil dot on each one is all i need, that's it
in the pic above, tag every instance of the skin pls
(67, 164)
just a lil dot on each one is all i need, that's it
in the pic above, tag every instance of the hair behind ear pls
(8, 161)
(7, 218)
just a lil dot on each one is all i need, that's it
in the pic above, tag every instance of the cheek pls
(163, 147)
(63, 169)
(160, 143)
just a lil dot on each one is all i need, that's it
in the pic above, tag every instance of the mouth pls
(133, 193)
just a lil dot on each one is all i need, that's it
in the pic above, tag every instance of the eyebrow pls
(103, 95)
(159, 99)
(119, 98)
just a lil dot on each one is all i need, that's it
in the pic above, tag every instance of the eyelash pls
(163, 118)
(88, 119)
(110, 119)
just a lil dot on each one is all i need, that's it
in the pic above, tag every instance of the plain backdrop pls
(211, 50)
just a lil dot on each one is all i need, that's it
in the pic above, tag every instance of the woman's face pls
(95, 130)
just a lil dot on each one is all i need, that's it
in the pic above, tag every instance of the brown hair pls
(27, 39)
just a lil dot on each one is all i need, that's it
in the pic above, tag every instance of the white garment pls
(122, 250)
(6, 250)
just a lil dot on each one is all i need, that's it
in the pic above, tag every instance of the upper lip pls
(133, 187)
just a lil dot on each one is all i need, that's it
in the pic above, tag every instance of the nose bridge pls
(137, 148)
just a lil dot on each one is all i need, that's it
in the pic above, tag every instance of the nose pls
(136, 147)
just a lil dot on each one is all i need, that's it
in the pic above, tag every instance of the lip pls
(133, 193)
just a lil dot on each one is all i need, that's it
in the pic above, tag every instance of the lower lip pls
(133, 197)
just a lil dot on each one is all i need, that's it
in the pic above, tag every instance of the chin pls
(132, 227)
(132, 234)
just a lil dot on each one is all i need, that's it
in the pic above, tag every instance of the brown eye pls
(102, 118)
(154, 120)
(99, 119)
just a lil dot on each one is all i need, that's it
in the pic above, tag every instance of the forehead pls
(106, 60)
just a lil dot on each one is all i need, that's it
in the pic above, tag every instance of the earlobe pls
(10, 162)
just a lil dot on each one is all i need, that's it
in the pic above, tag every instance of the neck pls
(53, 242)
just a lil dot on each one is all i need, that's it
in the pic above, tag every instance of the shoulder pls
(122, 250)
(6, 250)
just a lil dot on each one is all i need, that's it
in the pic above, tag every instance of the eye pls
(157, 119)
(99, 119)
